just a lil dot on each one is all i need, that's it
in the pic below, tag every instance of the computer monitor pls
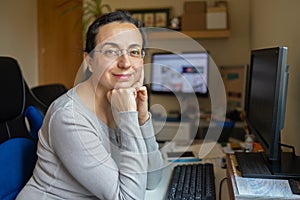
(267, 97)
(184, 73)
(266, 105)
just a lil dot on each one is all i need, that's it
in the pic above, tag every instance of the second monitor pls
(180, 73)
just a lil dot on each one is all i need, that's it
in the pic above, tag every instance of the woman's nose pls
(124, 60)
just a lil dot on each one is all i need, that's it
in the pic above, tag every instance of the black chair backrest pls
(49, 92)
(15, 98)
(12, 90)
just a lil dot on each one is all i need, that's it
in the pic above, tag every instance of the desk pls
(252, 188)
(213, 156)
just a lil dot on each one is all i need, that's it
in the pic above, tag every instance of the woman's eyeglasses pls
(114, 52)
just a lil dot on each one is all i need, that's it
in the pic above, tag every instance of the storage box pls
(194, 7)
(194, 17)
(192, 22)
(216, 18)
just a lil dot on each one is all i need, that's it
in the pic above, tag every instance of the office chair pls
(49, 92)
(21, 116)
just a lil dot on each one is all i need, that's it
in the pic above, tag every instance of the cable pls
(220, 188)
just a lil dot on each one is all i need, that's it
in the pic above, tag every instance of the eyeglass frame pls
(119, 53)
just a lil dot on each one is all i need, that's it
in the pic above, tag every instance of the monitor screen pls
(266, 101)
(180, 73)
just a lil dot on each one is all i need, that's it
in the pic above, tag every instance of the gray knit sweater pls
(80, 157)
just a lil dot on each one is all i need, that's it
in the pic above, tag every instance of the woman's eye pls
(135, 52)
(111, 52)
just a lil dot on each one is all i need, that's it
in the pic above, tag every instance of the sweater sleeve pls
(154, 155)
(81, 149)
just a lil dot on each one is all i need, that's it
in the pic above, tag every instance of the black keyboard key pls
(192, 182)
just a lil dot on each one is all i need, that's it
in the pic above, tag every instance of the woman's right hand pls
(122, 99)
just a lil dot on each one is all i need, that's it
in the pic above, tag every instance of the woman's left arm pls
(145, 121)
(154, 155)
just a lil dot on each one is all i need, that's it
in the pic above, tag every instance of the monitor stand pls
(289, 167)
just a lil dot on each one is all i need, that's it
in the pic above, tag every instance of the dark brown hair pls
(117, 16)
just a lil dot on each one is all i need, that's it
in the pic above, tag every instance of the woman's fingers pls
(123, 99)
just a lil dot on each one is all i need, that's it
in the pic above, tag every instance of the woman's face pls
(117, 61)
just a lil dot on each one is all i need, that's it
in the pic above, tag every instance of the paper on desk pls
(263, 187)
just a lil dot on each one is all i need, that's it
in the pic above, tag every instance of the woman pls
(97, 141)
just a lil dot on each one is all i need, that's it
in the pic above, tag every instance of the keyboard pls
(192, 181)
(252, 165)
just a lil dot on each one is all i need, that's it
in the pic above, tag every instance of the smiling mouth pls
(122, 76)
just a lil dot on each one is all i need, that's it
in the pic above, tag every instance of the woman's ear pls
(89, 61)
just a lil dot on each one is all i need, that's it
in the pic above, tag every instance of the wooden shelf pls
(203, 34)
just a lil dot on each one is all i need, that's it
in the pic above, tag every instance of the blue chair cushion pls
(17, 158)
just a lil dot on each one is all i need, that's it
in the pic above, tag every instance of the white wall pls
(276, 22)
(18, 35)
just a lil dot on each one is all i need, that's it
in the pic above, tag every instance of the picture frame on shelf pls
(148, 19)
(138, 16)
(158, 17)
(161, 19)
